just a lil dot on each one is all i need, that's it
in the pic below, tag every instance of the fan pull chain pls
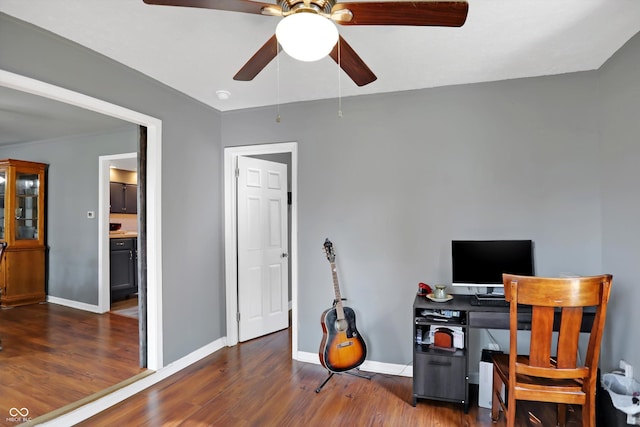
(339, 84)
(277, 83)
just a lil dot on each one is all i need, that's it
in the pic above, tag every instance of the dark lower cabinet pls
(439, 373)
(123, 268)
(440, 376)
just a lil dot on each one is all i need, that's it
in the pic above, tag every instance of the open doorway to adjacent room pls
(119, 284)
(281, 152)
(151, 128)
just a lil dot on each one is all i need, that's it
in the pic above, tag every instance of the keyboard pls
(489, 300)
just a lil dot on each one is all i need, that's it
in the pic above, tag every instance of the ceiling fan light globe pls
(307, 36)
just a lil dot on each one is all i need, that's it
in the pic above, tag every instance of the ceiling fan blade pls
(245, 6)
(258, 61)
(421, 13)
(352, 64)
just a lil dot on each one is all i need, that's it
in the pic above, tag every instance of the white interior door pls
(263, 263)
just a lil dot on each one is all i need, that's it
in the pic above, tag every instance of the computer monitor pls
(481, 263)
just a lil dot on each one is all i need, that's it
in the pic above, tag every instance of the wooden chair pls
(3, 246)
(539, 376)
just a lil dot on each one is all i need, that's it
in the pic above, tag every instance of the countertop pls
(123, 234)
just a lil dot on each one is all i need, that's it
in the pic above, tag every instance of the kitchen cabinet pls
(22, 222)
(123, 268)
(123, 197)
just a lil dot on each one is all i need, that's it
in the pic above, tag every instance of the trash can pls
(614, 400)
(485, 386)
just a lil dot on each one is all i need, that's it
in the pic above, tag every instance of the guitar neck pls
(336, 290)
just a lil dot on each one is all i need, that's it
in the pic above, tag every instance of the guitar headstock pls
(328, 248)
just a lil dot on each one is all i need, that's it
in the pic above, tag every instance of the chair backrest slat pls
(568, 337)
(541, 336)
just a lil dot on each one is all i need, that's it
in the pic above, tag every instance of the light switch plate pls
(91, 214)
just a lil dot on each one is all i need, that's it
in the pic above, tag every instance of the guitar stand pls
(350, 372)
(355, 374)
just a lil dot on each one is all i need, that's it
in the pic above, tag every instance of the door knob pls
(284, 255)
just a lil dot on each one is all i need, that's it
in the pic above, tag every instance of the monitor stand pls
(491, 293)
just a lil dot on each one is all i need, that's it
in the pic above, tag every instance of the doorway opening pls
(231, 155)
(120, 161)
(154, 342)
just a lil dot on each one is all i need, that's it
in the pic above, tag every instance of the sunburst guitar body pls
(342, 347)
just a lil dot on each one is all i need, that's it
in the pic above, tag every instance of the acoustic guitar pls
(342, 347)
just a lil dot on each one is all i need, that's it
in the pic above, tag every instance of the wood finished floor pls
(53, 356)
(126, 307)
(257, 384)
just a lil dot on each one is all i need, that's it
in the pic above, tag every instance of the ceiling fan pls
(325, 13)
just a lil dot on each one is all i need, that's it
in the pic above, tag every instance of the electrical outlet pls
(627, 368)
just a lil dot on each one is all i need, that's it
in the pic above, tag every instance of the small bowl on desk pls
(114, 226)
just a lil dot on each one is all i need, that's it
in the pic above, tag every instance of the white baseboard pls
(99, 405)
(73, 304)
(378, 367)
(303, 356)
(368, 365)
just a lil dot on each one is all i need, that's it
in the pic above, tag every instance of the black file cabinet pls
(440, 373)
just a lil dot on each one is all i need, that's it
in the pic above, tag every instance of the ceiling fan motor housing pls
(321, 6)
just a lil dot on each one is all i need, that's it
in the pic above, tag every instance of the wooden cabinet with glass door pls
(22, 214)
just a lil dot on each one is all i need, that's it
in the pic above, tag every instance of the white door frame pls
(154, 206)
(104, 287)
(231, 238)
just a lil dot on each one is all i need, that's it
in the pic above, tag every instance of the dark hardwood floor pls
(257, 384)
(53, 356)
(126, 307)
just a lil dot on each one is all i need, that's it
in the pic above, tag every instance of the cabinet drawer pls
(121, 244)
(498, 320)
(440, 377)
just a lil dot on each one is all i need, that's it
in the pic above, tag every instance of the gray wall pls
(400, 176)
(620, 160)
(193, 291)
(72, 190)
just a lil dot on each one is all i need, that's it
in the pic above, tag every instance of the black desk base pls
(443, 375)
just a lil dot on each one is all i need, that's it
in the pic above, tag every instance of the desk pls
(444, 375)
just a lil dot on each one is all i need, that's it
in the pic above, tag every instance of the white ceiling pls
(197, 51)
(25, 118)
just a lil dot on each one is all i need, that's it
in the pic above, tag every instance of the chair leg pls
(589, 411)
(495, 400)
(511, 411)
(562, 414)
